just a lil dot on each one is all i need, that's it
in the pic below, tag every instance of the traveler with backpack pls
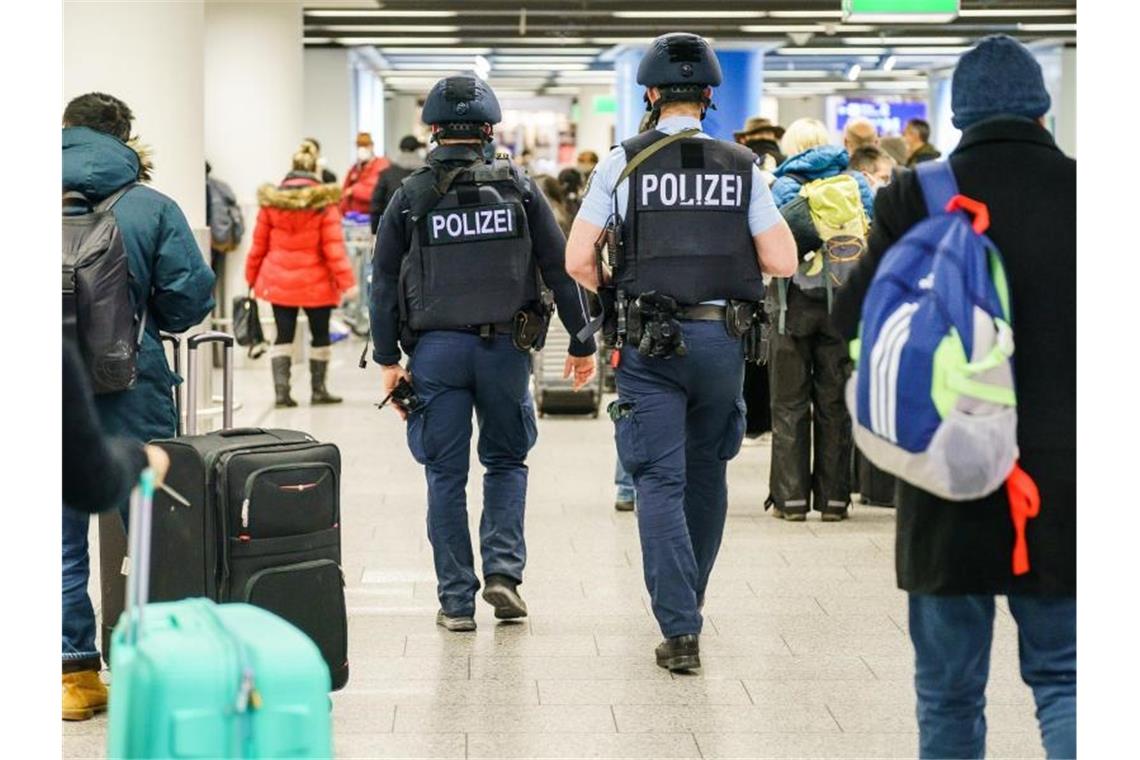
(297, 261)
(954, 557)
(827, 208)
(227, 228)
(167, 286)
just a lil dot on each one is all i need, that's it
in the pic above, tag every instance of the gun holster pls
(529, 327)
(652, 326)
(748, 320)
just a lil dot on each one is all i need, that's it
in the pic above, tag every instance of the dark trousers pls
(952, 636)
(808, 368)
(683, 421)
(454, 374)
(79, 652)
(286, 319)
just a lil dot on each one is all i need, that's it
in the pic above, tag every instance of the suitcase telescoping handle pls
(138, 579)
(176, 344)
(192, 344)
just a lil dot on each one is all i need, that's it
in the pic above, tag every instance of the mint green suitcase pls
(195, 679)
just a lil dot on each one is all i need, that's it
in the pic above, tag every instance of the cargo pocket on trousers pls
(417, 422)
(530, 425)
(734, 431)
(630, 446)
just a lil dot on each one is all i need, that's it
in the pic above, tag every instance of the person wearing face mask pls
(874, 164)
(362, 178)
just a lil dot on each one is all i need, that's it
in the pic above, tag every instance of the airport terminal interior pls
(805, 647)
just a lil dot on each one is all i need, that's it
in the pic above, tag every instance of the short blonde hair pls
(804, 134)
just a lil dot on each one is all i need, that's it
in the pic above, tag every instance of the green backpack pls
(830, 227)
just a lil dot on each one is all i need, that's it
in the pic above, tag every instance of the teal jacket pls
(168, 273)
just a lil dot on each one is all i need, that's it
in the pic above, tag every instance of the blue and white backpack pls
(932, 400)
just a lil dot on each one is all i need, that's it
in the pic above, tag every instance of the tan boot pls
(83, 695)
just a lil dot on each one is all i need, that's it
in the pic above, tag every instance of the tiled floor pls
(805, 652)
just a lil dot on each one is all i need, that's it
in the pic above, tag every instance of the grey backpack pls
(98, 312)
(227, 224)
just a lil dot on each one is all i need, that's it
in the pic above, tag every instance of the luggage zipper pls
(221, 486)
(252, 477)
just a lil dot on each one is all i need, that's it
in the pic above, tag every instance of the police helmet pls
(461, 106)
(681, 65)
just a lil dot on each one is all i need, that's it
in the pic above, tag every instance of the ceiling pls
(557, 47)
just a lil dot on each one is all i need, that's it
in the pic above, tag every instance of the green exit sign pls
(605, 104)
(900, 11)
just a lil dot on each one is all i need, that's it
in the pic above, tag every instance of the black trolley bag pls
(262, 525)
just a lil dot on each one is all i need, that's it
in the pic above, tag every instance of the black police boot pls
(318, 371)
(282, 365)
(502, 593)
(622, 505)
(680, 653)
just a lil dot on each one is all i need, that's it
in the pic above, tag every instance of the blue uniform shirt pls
(597, 203)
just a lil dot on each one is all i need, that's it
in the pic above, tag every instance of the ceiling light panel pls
(694, 14)
(817, 28)
(380, 14)
(385, 28)
(1017, 13)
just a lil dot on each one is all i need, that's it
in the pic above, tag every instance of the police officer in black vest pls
(462, 253)
(689, 227)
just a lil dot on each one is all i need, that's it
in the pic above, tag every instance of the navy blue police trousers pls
(678, 421)
(455, 374)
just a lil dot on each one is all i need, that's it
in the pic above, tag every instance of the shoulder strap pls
(426, 188)
(936, 178)
(109, 202)
(647, 152)
(800, 178)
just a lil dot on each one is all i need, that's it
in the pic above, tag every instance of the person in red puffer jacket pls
(297, 261)
(362, 178)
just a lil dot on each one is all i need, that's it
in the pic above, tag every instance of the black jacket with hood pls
(1013, 166)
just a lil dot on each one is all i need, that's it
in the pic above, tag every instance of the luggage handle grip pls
(237, 432)
(141, 529)
(176, 345)
(210, 336)
(192, 343)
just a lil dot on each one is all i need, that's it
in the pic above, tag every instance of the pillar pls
(148, 55)
(595, 129)
(253, 108)
(328, 105)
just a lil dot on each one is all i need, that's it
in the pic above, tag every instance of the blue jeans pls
(952, 636)
(624, 482)
(455, 373)
(79, 650)
(678, 421)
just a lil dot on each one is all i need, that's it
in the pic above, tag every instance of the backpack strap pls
(109, 202)
(936, 178)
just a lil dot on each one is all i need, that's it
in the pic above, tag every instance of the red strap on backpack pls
(1024, 505)
(615, 358)
(978, 211)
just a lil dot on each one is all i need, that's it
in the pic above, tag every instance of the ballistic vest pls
(685, 232)
(469, 261)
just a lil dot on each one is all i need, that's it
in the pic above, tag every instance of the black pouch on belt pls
(529, 329)
(739, 317)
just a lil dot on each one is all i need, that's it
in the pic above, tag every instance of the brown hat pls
(757, 124)
(364, 140)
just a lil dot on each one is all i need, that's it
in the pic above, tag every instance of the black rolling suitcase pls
(262, 525)
(876, 488)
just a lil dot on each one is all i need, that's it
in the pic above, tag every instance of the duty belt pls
(498, 328)
(700, 313)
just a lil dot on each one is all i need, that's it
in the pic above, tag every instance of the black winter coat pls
(386, 187)
(1014, 167)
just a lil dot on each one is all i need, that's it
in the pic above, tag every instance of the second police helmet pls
(680, 65)
(461, 106)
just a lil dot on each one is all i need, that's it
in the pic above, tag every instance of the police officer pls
(694, 227)
(456, 282)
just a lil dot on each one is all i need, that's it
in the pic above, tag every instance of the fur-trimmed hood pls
(298, 193)
(97, 164)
